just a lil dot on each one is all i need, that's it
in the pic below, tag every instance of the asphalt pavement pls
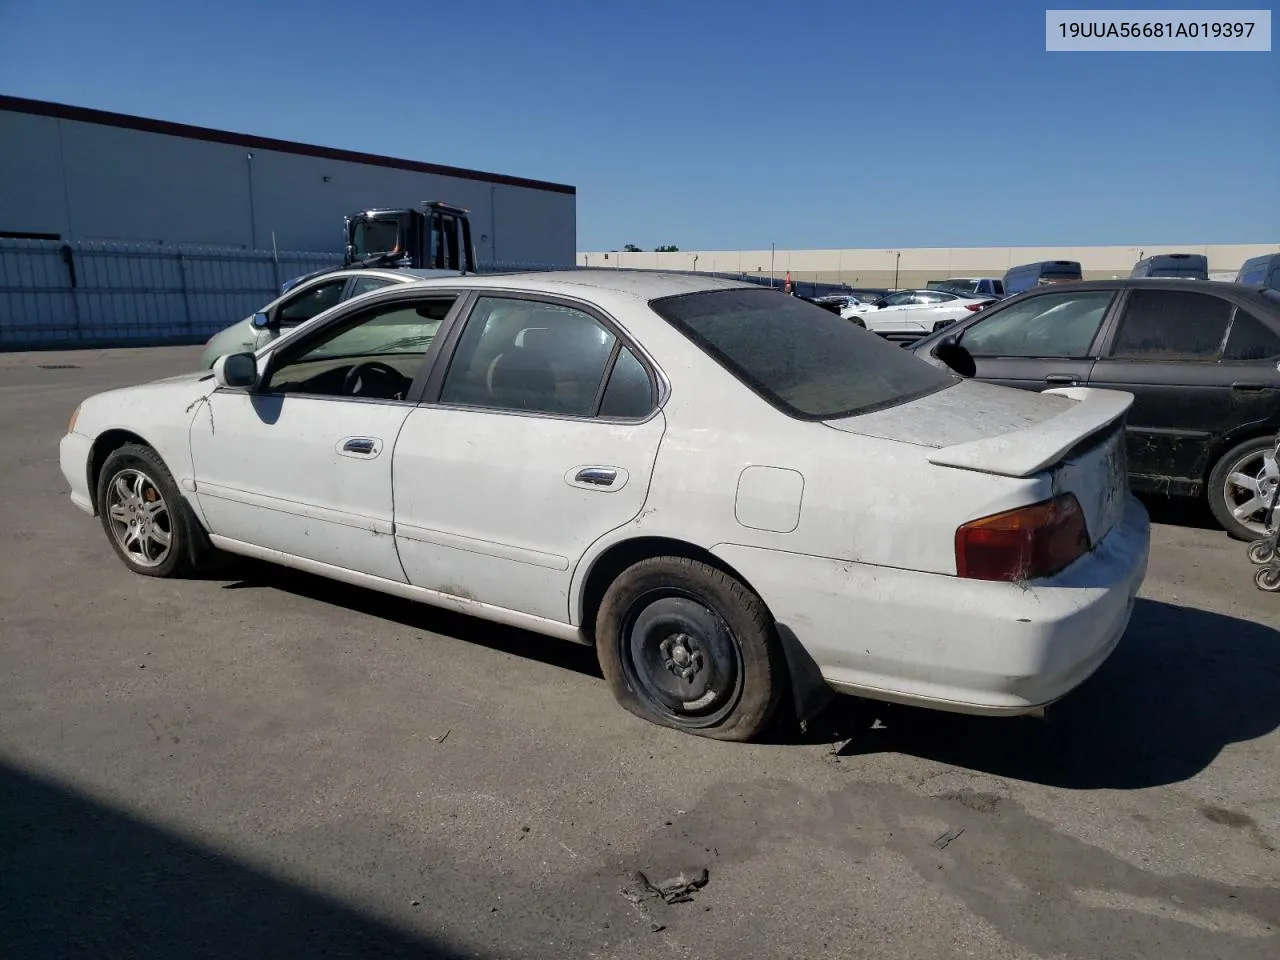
(273, 765)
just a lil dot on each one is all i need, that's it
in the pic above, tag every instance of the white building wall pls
(95, 181)
(915, 266)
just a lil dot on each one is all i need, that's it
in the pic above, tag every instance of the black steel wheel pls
(685, 645)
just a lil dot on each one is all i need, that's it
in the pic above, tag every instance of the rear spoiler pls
(1035, 448)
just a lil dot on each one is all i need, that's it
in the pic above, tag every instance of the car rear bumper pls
(966, 646)
(73, 459)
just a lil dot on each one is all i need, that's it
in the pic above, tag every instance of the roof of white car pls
(642, 284)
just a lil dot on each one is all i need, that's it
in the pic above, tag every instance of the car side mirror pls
(260, 321)
(236, 370)
(950, 352)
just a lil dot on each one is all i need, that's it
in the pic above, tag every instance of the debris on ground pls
(942, 841)
(441, 738)
(677, 889)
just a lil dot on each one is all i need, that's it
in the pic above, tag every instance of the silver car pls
(302, 302)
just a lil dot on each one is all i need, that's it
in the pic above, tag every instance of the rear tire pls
(685, 645)
(1253, 460)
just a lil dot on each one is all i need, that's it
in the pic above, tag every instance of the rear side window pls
(1250, 339)
(1050, 325)
(805, 361)
(1171, 325)
(366, 284)
(304, 306)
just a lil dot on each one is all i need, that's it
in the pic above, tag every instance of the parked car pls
(970, 286)
(1028, 275)
(1264, 271)
(611, 458)
(300, 303)
(910, 314)
(1186, 266)
(1201, 358)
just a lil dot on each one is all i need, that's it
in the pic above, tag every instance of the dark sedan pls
(1202, 359)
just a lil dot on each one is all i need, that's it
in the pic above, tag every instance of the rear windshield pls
(806, 361)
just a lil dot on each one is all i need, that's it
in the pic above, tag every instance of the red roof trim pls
(62, 111)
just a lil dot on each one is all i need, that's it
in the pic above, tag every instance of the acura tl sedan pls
(728, 493)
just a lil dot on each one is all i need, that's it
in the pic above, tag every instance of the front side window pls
(1060, 325)
(310, 303)
(376, 355)
(898, 299)
(805, 361)
(1171, 325)
(536, 357)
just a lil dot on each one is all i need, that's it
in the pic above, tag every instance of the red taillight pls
(974, 307)
(1023, 544)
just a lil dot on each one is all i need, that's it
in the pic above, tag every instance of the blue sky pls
(822, 124)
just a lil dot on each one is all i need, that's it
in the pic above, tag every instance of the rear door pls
(538, 439)
(1046, 340)
(1167, 349)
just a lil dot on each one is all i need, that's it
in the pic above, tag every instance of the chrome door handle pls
(599, 476)
(359, 445)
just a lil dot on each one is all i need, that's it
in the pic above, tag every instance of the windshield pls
(1170, 272)
(370, 238)
(807, 362)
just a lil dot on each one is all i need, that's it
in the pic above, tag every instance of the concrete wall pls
(92, 181)
(876, 268)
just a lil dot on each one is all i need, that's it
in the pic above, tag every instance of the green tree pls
(631, 248)
(669, 248)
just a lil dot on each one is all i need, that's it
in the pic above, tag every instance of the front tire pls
(142, 513)
(685, 645)
(1241, 485)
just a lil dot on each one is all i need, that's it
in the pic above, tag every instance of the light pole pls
(897, 255)
(771, 251)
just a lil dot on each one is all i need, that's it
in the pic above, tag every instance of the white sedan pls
(730, 494)
(910, 314)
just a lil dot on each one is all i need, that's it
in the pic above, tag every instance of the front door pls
(302, 463)
(1043, 342)
(541, 441)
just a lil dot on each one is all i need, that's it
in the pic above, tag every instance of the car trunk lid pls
(1075, 434)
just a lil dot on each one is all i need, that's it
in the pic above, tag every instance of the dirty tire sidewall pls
(135, 456)
(760, 659)
(1217, 479)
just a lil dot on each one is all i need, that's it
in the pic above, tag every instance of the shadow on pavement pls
(1180, 512)
(422, 616)
(80, 879)
(1182, 685)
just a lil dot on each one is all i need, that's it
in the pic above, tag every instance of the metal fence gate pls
(95, 294)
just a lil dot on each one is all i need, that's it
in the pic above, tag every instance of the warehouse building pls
(73, 174)
(915, 266)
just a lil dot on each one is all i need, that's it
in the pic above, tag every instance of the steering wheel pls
(370, 372)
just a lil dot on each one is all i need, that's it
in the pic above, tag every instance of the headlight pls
(71, 424)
